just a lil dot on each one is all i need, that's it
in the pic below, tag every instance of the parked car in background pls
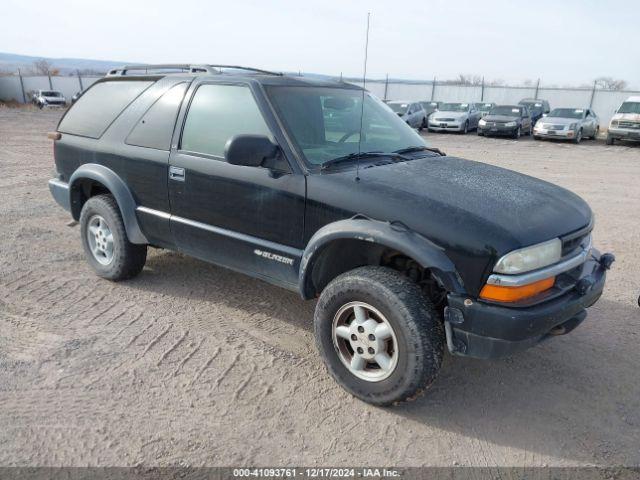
(454, 117)
(625, 124)
(511, 120)
(568, 124)
(430, 107)
(411, 112)
(484, 108)
(48, 98)
(537, 108)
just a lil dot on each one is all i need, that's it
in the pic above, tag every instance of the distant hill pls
(10, 62)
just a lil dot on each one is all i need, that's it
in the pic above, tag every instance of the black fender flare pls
(394, 235)
(118, 189)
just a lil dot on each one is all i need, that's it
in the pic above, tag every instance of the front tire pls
(610, 140)
(517, 133)
(379, 336)
(578, 138)
(104, 239)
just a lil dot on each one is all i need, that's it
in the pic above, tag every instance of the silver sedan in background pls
(411, 112)
(455, 117)
(568, 124)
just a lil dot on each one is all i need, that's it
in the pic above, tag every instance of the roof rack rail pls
(182, 68)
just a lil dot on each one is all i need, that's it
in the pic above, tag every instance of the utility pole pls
(593, 93)
(24, 97)
(482, 91)
(433, 88)
(537, 88)
(386, 86)
(80, 81)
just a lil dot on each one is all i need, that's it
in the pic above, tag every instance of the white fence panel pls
(506, 95)
(10, 89)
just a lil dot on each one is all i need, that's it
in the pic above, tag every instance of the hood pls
(476, 212)
(446, 114)
(500, 118)
(560, 120)
(634, 117)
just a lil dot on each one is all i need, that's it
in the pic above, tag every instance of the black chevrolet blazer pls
(319, 187)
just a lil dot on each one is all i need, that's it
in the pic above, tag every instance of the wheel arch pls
(347, 244)
(90, 179)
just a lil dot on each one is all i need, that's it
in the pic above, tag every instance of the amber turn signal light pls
(499, 293)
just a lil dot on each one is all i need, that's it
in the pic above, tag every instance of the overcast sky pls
(563, 42)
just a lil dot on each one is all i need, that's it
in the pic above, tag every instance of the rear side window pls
(155, 128)
(99, 106)
(217, 113)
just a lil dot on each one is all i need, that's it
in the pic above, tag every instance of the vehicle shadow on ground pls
(574, 397)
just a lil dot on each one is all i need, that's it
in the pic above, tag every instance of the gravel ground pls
(191, 364)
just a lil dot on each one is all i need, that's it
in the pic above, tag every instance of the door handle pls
(176, 173)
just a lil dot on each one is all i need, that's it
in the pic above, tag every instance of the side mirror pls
(249, 150)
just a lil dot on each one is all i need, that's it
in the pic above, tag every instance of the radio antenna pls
(364, 86)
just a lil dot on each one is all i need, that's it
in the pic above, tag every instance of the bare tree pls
(496, 82)
(610, 83)
(468, 79)
(42, 67)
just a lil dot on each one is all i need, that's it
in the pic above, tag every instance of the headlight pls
(510, 124)
(573, 126)
(482, 122)
(614, 123)
(530, 258)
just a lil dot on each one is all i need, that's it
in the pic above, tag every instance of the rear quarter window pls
(155, 128)
(99, 106)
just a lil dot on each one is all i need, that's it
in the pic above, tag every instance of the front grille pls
(445, 119)
(627, 124)
(574, 242)
(550, 126)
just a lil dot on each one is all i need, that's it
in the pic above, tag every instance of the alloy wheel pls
(100, 240)
(365, 341)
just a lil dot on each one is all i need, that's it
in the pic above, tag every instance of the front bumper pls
(624, 134)
(497, 130)
(451, 126)
(489, 330)
(559, 134)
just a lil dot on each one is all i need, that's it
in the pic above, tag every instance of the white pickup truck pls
(625, 124)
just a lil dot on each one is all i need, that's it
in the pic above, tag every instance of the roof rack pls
(183, 68)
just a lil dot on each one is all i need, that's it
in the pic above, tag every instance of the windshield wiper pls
(421, 148)
(359, 155)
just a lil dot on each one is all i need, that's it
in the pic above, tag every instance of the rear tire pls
(414, 348)
(104, 239)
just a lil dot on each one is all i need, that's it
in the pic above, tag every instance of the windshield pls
(532, 105)
(506, 111)
(325, 122)
(484, 107)
(50, 93)
(398, 107)
(454, 107)
(629, 107)
(567, 112)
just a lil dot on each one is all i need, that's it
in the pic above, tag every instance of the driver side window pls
(217, 113)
